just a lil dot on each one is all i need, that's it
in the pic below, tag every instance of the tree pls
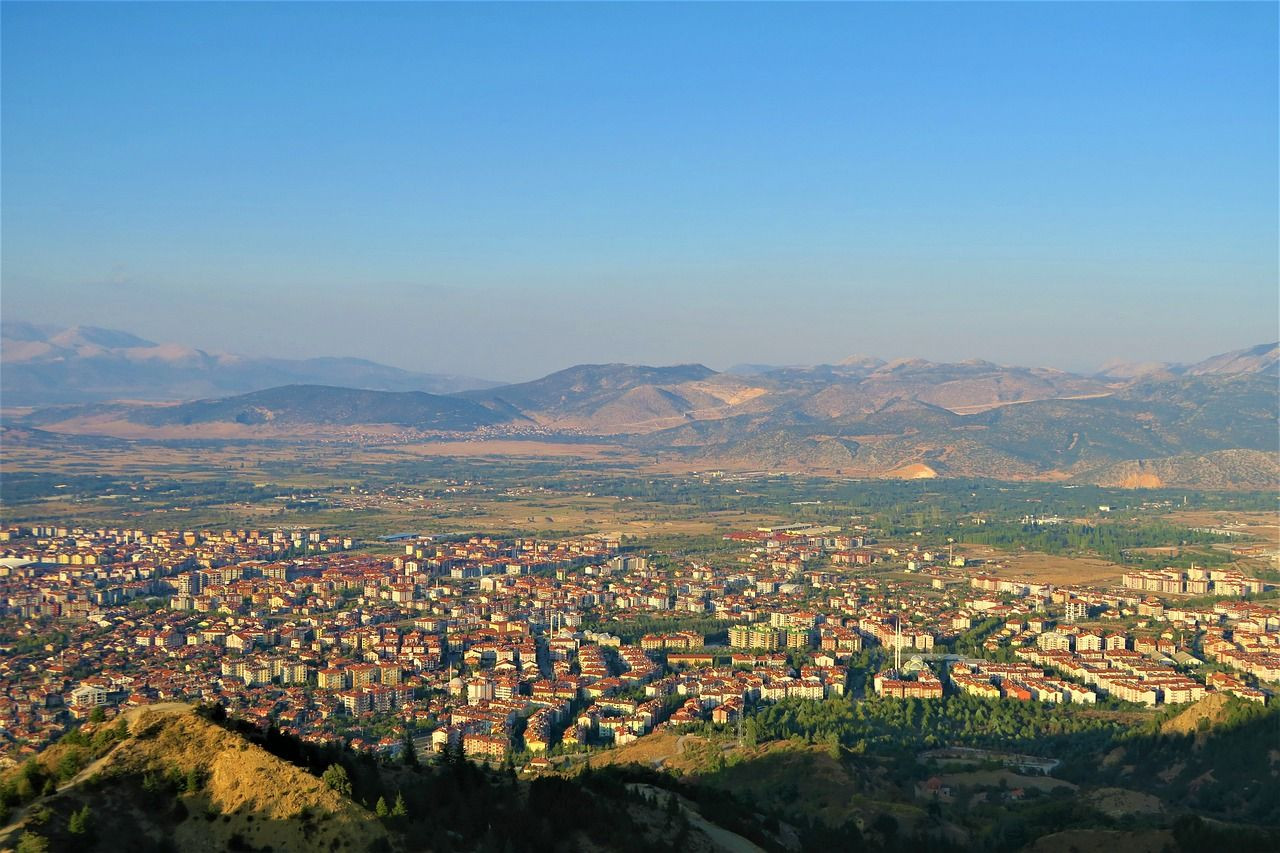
(80, 821)
(97, 715)
(70, 763)
(29, 781)
(682, 835)
(381, 809)
(886, 826)
(30, 842)
(399, 809)
(409, 755)
(335, 776)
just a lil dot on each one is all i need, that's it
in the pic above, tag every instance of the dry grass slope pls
(248, 799)
(1212, 708)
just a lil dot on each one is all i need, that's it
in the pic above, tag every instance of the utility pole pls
(897, 645)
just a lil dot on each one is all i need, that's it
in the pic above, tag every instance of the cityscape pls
(622, 427)
(551, 655)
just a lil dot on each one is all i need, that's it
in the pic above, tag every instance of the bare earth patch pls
(1119, 802)
(1047, 568)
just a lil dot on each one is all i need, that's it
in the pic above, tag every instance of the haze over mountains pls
(1209, 424)
(48, 365)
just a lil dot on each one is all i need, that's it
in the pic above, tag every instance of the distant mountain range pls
(1208, 425)
(48, 365)
(1259, 359)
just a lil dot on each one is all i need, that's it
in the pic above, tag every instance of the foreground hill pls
(1208, 426)
(801, 776)
(238, 797)
(41, 366)
(178, 780)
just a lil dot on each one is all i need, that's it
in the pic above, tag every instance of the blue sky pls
(506, 190)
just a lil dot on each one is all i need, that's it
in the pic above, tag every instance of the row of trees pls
(892, 725)
(1116, 542)
(632, 630)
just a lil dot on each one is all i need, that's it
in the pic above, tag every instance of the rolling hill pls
(1211, 425)
(292, 409)
(604, 398)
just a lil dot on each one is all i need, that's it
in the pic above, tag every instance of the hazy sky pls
(506, 190)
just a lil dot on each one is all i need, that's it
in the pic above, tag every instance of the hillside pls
(861, 774)
(1263, 358)
(1207, 433)
(178, 780)
(1222, 469)
(1211, 711)
(604, 398)
(830, 776)
(245, 798)
(780, 776)
(281, 410)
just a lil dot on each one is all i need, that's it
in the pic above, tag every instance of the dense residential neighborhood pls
(522, 647)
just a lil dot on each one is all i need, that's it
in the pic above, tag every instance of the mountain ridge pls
(1262, 358)
(972, 419)
(44, 365)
